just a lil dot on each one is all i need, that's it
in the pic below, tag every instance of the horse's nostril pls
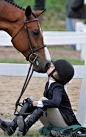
(47, 66)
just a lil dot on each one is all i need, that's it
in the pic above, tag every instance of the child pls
(54, 108)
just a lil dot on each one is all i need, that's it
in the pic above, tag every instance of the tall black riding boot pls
(10, 127)
(24, 126)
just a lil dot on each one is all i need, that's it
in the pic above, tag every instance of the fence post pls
(81, 114)
(78, 28)
(83, 49)
(83, 52)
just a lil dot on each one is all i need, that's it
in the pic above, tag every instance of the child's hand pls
(35, 103)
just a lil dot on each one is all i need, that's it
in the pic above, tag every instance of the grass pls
(72, 61)
(31, 133)
(54, 16)
(34, 134)
(11, 60)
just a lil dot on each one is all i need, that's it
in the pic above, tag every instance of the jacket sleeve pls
(56, 99)
(77, 4)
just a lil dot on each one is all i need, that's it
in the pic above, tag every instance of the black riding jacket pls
(58, 98)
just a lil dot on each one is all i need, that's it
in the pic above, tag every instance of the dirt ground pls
(10, 87)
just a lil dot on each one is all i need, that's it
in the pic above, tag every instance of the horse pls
(24, 28)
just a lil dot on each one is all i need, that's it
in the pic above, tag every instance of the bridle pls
(30, 71)
(28, 58)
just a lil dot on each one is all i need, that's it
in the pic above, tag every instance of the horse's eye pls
(36, 32)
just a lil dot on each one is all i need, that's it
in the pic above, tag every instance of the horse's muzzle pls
(41, 65)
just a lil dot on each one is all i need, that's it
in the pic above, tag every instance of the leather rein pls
(30, 71)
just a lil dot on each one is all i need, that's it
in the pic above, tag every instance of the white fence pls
(51, 38)
(81, 115)
(55, 38)
(5, 39)
(7, 69)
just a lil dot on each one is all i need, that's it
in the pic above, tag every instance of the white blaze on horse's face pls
(47, 54)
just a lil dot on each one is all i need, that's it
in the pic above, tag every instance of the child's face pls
(50, 69)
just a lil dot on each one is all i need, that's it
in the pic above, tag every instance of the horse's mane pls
(15, 5)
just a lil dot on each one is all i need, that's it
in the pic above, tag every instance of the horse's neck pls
(9, 17)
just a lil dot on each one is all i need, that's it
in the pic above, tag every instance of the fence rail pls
(51, 38)
(9, 69)
(55, 38)
(64, 37)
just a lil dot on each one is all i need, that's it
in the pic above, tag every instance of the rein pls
(27, 80)
(30, 71)
(23, 89)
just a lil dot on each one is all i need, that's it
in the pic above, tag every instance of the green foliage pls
(54, 17)
(54, 4)
(25, 3)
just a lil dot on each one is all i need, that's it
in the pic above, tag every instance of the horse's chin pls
(41, 66)
(39, 69)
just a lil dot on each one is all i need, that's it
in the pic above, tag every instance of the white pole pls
(83, 48)
(78, 28)
(83, 52)
(81, 114)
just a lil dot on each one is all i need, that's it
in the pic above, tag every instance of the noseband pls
(29, 41)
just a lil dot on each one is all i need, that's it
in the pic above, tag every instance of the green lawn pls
(11, 60)
(54, 16)
(72, 61)
(31, 133)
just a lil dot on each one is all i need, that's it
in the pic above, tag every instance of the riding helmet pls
(65, 70)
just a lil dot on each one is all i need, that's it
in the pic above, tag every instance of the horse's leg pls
(10, 127)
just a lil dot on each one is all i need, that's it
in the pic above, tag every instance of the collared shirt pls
(50, 82)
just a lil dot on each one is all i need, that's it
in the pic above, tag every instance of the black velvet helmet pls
(65, 70)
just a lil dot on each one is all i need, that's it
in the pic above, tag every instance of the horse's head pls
(29, 41)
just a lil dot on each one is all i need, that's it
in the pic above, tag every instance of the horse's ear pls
(28, 12)
(38, 13)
